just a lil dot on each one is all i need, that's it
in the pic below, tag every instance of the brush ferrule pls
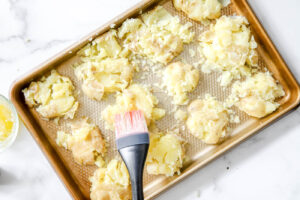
(132, 139)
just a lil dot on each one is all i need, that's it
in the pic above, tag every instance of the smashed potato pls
(105, 67)
(257, 94)
(207, 120)
(229, 48)
(135, 97)
(52, 96)
(111, 183)
(86, 142)
(105, 76)
(166, 154)
(159, 37)
(105, 46)
(199, 10)
(161, 18)
(179, 79)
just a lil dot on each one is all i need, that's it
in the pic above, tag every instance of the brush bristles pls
(132, 122)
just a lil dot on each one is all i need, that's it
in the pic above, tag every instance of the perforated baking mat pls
(75, 176)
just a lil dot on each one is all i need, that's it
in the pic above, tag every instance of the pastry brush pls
(132, 140)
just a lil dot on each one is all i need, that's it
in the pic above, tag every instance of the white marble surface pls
(267, 166)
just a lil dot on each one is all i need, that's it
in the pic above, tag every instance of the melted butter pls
(6, 121)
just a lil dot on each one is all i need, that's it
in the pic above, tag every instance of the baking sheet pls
(76, 176)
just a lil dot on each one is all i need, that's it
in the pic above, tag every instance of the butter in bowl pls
(9, 123)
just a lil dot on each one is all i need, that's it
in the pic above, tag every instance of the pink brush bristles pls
(132, 141)
(132, 122)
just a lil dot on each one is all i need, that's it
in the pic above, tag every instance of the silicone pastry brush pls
(132, 140)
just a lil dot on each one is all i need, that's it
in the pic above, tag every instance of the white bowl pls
(12, 137)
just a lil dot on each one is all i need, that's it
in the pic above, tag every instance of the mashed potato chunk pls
(179, 79)
(85, 142)
(199, 10)
(207, 120)
(257, 94)
(159, 36)
(105, 67)
(229, 48)
(52, 96)
(180, 115)
(111, 182)
(135, 97)
(166, 154)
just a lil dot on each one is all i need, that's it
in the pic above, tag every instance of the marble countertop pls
(267, 166)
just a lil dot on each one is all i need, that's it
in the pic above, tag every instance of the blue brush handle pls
(134, 157)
